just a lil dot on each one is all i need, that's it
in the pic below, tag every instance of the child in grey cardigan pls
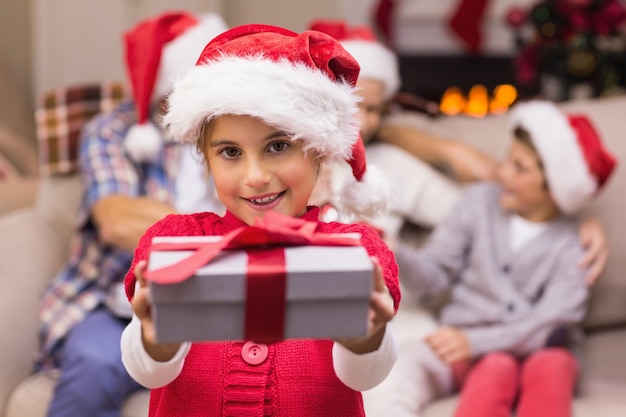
(508, 256)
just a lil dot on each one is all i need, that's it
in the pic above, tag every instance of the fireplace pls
(430, 76)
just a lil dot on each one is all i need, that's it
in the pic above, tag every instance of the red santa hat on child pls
(303, 84)
(575, 162)
(376, 60)
(158, 51)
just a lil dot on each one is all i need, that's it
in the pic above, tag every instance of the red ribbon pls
(273, 229)
(266, 290)
(266, 278)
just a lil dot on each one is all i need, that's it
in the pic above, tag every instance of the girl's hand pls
(381, 311)
(593, 239)
(142, 308)
(450, 344)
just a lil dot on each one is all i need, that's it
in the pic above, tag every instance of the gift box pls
(267, 290)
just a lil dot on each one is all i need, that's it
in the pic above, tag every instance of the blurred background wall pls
(51, 43)
(15, 65)
(47, 44)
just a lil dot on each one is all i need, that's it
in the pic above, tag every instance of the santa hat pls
(575, 162)
(159, 50)
(376, 60)
(303, 84)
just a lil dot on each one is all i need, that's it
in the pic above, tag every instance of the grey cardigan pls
(503, 301)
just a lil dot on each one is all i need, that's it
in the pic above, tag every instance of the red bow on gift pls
(274, 229)
(266, 273)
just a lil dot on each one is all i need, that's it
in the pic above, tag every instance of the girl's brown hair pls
(203, 141)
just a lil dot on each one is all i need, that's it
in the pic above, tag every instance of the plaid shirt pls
(83, 284)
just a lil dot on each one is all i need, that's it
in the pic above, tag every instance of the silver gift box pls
(328, 290)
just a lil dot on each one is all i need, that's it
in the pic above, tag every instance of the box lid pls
(313, 272)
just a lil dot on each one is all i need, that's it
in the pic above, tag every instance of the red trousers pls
(541, 385)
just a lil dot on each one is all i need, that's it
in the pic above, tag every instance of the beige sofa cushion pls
(17, 193)
(581, 408)
(19, 151)
(604, 373)
(32, 252)
(57, 202)
(39, 233)
(33, 395)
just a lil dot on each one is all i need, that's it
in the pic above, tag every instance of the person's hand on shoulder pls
(593, 239)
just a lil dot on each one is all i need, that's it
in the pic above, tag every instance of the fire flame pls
(478, 103)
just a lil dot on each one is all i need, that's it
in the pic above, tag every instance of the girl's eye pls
(374, 110)
(229, 153)
(278, 147)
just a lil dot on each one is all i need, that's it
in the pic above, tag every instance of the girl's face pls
(524, 189)
(371, 107)
(257, 168)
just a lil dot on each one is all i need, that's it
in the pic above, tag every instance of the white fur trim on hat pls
(302, 101)
(181, 54)
(377, 62)
(571, 183)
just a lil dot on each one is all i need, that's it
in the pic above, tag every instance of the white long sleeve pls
(363, 372)
(359, 372)
(141, 367)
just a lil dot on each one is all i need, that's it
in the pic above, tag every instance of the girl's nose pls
(257, 174)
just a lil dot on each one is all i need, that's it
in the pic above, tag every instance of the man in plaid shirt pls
(125, 190)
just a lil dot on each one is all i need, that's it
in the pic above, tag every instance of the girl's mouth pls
(266, 200)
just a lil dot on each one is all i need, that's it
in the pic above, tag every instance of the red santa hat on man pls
(575, 162)
(159, 50)
(376, 60)
(303, 84)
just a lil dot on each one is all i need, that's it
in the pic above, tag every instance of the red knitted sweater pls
(296, 379)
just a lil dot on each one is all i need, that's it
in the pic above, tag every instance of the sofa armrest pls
(57, 202)
(31, 253)
(17, 193)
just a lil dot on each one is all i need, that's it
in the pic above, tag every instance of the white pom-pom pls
(329, 181)
(143, 142)
(367, 198)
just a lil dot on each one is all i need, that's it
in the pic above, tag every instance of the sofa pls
(34, 244)
(36, 227)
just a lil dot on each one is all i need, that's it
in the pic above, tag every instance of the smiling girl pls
(266, 107)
